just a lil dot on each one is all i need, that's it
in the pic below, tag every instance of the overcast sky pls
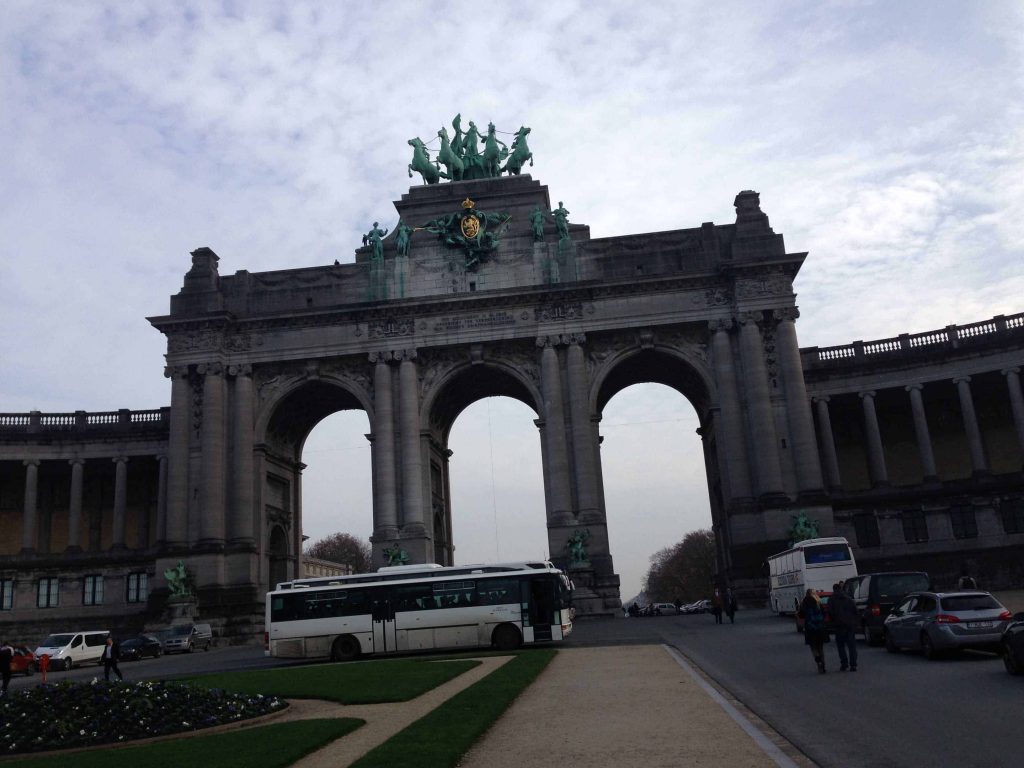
(885, 138)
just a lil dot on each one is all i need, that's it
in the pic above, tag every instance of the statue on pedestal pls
(375, 237)
(561, 217)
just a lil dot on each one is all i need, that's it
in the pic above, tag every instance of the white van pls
(69, 649)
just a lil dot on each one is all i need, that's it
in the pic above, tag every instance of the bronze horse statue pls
(449, 159)
(421, 162)
(520, 153)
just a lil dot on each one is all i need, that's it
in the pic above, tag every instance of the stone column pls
(974, 443)
(412, 460)
(30, 516)
(120, 500)
(828, 444)
(240, 530)
(736, 467)
(876, 454)
(177, 457)
(385, 503)
(211, 494)
(801, 422)
(75, 505)
(557, 464)
(1016, 402)
(765, 444)
(584, 436)
(161, 500)
(924, 438)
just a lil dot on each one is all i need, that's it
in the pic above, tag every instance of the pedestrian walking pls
(716, 605)
(110, 656)
(815, 634)
(846, 620)
(6, 657)
(730, 605)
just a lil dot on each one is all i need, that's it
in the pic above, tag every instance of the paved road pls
(897, 710)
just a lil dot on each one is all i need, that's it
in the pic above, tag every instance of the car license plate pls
(979, 624)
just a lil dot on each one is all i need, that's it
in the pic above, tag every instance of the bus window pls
(826, 553)
(498, 591)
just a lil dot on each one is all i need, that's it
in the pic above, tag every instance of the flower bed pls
(82, 714)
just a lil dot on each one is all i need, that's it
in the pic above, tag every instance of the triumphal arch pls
(484, 288)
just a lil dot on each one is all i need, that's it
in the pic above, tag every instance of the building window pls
(965, 524)
(865, 526)
(1013, 515)
(6, 594)
(137, 589)
(48, 595)
(92, 590)
(915, 527)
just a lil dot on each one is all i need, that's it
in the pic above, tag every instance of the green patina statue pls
(403, 237)
(803, 528)
(375, 237)
(475, 233)
(448, 157)
(577, 548)
(421, 162)
(561, 217)
(537, 223)
(520, 153)
(396, 555)
(492, 155)
(180, 581)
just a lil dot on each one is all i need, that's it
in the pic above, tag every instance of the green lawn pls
(268, 746)
(371, 682)
(439, 739)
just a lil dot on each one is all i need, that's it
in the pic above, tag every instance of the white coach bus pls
(408, 608)
(811, 564)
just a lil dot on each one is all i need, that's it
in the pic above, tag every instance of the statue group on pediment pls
(465, 159)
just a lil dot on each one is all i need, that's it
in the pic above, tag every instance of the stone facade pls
(256, 360)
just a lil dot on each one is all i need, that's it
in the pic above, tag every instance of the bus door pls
(539, 592)
(382, 612)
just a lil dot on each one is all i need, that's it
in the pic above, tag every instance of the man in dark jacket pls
(845, 620)
(6, 657)
(111, 653)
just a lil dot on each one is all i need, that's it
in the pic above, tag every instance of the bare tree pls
(343, 548)
(684, 571)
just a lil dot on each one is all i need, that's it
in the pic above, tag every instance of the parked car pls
(66, 649)
(1012, 645)
(934, 622)
(875, 594)
(187, 638)
(701, 606)
(24, 660)
(140, 647)
(664, 609)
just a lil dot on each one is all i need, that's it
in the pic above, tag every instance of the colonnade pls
(877, 468)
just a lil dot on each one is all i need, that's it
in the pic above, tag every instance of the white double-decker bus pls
(811, 564)
(408, 608)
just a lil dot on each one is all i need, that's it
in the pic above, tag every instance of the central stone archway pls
(416, 331)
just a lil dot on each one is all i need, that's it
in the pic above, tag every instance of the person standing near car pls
(716, 605)
(815, 633)
(730, 605)
(6, 657)
(846, 621)
(110, 656)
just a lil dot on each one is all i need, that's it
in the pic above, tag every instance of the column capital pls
(241, 369)
(381, 356)
(962, 379)
(577, 339)
(786, 313)
(720, 324)
(820, 399)
(120, 460)
(175, 371)
(866, 393)
(916, 386)
(210, 369)
(1007, 371)
(403, 355)
(544, 342)
(30, 463)
(747, 318)
(76, 461)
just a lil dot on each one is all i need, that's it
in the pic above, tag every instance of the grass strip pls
(441, 738)
(369, 682)
(269, 746)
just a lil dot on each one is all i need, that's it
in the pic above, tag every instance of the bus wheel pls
(506, 638)
(345, 648)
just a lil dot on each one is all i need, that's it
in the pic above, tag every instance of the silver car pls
(934, 622)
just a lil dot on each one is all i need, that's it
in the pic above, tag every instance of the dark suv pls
(875, 594)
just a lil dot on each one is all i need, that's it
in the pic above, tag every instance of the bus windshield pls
(826, 553)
